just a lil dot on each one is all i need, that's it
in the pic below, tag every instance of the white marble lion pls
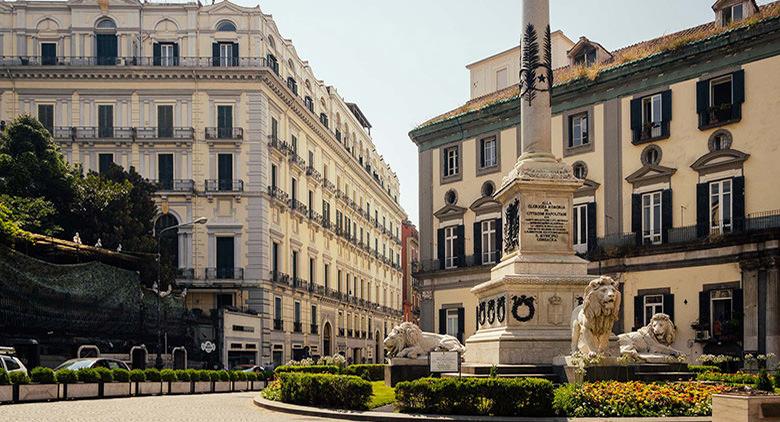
(409, 341)
(591, 322)
(655, 338)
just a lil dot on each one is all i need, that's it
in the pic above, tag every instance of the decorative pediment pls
(650, 174)
(484, 205)
(227, 8)
(450, 212)
(719, 160)
(588, 188)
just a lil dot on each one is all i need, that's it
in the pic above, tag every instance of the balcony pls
(328, 185)
(314, 328)
(156, 62)
(314, 174)
(224, 273)
(185, 273)
(456, 262)
(295, 159)
(280, 277)
(223, 185)
(175, 185)
(278, 194)
(224, 133)
(299, 207)
(297, 327)
(278, 325)
(720, 115)
(94, 133)
(349, 333)
(179, 134)
(278, 144)
(652, 131)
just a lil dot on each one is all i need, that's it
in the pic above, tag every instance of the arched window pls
(106, 24)
(226, 26)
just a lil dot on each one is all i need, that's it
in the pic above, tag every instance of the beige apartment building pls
(674, 141)
(210, 101)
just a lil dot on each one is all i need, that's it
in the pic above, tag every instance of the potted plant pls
(88, 385)
(151, 385)
(239, 381)
(116, 382)
(43, 387)
(6, 389)
(201, 383)
(174, 385)
(221, 381)
(254, 384)
(65, 377)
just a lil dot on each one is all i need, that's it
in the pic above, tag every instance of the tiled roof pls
(620, 57)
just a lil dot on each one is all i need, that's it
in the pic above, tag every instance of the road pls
(233, 407)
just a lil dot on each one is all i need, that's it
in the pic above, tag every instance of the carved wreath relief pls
(524, 315)
(491, 311)
(511, 226)
(531, 62)
(501, 309)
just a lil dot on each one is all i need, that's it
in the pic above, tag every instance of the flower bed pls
(312, 369)
(637, 399)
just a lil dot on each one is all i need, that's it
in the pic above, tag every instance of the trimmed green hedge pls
(369, 372)
(476, 396)
(325, 390)
(137, 375)
(88, 375)
(737, 378)
(66, 376)
(121, 374)
(310, 369)
(703, 368)
(19, 378)
(152, 374)
(105, 374)
(4, 378)
(168, 375)
(182, 374)
(43, 375)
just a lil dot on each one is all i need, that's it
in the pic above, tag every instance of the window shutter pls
(639, 301)
(636, 216)
(176, 54)
(666, 111)
(738, 79)
(704, 310)
(499, 239)
(636, 118)
(461, 323)
(481, 153)
(703, 101)
(669, 305)
(215, 54)
(666, 214)
(440, 247)
(478, 242)
(591, 210)
(702, 209)
(156, 54)
(738, 202)
(235, 54)
(442, 321)
(460, 248)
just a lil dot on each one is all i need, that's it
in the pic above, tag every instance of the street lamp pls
(158, 362)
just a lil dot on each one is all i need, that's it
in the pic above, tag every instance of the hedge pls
(703, 368)
(168, 375)
(121, 374)
(105, 374)
(152, 374)
(66, 376)
(182, 374)
(325, 390)
(311, 369)
(251, 376)
(19, 378)
(137, 375)
(736, 378)
(4, 378)
(88, 375)
(43, 375)
(369, 372)
(476, 396)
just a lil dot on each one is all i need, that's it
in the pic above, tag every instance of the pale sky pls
(403, 61)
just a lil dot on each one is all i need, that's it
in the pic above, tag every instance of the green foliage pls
(382, 395)
(137, 375)
(32, 214)
(168, 375)
(152, 374)
(43, 375)
(764, 383)
(703, 368)
(369, 372)
(121, 375)
(182, 374)
(233, 375)
(325, 390)
(250, 376)
(10, 229)
(4, 378)
(475, 396)
(223, 376)
(266, 375)
(87, 375)
(19, 378)
(273, 391)
(240, 375)
(105, 374)
(193, 374)
(565, 399)
(493, 371)
(777, 378)
(737, 378)
(66, 376)
(205, 375)
(312, 369)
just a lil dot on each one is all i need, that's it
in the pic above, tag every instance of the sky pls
(403, 61)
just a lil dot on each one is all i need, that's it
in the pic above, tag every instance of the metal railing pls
(175, 185)
(224, 185)
(456, 262)
(157, 62)
(278, 324)
(717, 115)
(162, 132)
(220, 273)
(225, 133)
(314, 328)
(297, 327)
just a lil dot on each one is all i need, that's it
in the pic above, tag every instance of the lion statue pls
(654, 338)
(409, 341)
(591, 322)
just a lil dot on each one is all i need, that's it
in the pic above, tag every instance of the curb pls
(357, 415)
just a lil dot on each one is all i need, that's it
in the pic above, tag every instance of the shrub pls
(182, 374)
(369, 372)
(764, 383)
(87, 375)
(152, 374)
(193, 374)
(105, 374)
(121, 374)
(213, 375)
(240, 375)
(4, 378)
(19, 378)
(311, 369)
(777, 377)
(223, 375)
(250, 376)
(325, 390)
(137, 375)
(168, 375)
(233, 375)
(703, 368)
(206, 375)
(474, 396)
(737, 378)
(273, 391)
(266, 375)
(43, 375)
(65, 376)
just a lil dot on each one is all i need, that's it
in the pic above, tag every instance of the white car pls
(9, 362)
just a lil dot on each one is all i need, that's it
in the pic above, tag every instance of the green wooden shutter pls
(738, 87)
(636, 118)
(639, 320)
(704, 310)
(478, 242)
(669, 305)
(666, 111)
(215, 54)
(440, 247)
(460, 246)
(702, 209)
(636, 216)
(591, 211)
(461, 323)
(442, 321)
(703, 102)
(156, 54)
(666, 214)
(738, 202)
(235, 54)
(499, 240)
(176, 54)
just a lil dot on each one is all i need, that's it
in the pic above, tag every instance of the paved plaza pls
(234, 407)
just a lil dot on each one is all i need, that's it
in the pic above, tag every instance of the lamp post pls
(158, 362)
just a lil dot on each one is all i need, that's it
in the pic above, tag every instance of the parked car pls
(9, 361)
(79, 363)
(248, 367)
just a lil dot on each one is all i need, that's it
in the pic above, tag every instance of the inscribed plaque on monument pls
(444, 361)
(545, 223)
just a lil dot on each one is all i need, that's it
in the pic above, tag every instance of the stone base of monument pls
(609, 369)
(507, 371)
(401, 369)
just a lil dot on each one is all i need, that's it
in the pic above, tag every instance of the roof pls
(359, 115)
(620, 57)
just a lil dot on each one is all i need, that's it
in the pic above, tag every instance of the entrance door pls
(225, 171)
(225, 257)
(326, 340)
(106, 49)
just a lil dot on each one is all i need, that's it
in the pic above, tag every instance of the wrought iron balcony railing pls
(175, 185)
(224, 133)
(221, 273)
(174, 133)
(157, 62)
(278, 324)
(224, 185)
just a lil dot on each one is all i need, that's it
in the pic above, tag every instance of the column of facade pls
(750, 307)
(773, 307)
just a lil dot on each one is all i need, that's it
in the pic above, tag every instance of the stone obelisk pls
(525, 308)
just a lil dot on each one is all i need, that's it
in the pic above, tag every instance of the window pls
(580, 170)
(312, 270)
(487, 152)
(653, 304)
(277, 312)
(721, 92)
(167, 54)
(313, 314)
(651, 117)
(721, 312)
(294, 143)
(720, 206)
(450, 161)
(489, 253)
(48, 53)
(297, 315)
(501, 79)
(452, 322)
(165, 121)
(226, 26)
(105, 121)
(651, 156)
(273, 176)
(165, 171)
(450, 240)
(292, 85)
(586, 57)
(326, 278)
(578, 127)
(731, 14)
(10, 364)
(488, 189)
(271, 61)
(224, 121)
(719, 100)
(307, 101)
(226, 56)
(580, 225)
(46, 116)
(294, 267)
(104, 162)
(651, 218)
(275, 259)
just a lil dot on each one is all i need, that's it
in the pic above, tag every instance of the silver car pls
(9, 362)
(78, 363)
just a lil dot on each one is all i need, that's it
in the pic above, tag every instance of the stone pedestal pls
(745, 408)
(401, 369)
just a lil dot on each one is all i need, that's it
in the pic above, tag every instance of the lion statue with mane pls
(655, 338)
(591, 322)
(409, 341)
